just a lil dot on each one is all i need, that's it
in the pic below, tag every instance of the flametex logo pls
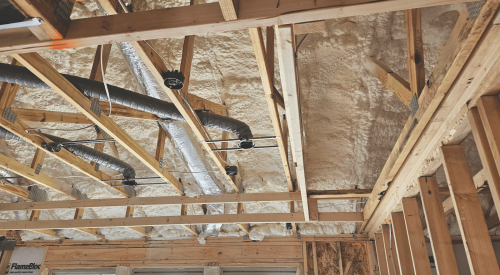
(15, 266)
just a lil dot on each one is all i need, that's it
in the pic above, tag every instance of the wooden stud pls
(315, 258)
(190, 228)
(229, 9)
(286, 55)
(79, 213)
(4, 263)
(58, 83)
(415, 43)
(382, 261)
(477, 241)
(304, 253)
(392, 81)
(416, 237)
(160, 145)
(55, 16)
(442, 248)
(386, 235)
(339, 257)
(401, 244)
(313, 209)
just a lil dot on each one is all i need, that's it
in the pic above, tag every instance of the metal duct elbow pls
(90, 88)
(101, 158)
(6, 134)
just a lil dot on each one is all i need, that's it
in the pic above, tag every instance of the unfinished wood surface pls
(479, 181)
(418, 138)
(392, 81)
(484, 149)
(200, 19)
(416, 239)
(58, 83)
(315, 258)
(305, 258)
(477, 242)
(442, 248)
(178, 220)
(14, 190)
(176, 254)
(415, 44)
(55, 16)
(229, 9)
(339, 258)
(160, 145)
(382, 261)
(339, 194)
(102, 53)
(34, 216)
(4, 263)
(267, 78)
(29, 173)
(401, 244)
(287, 62)
(313, 209)
(151, 201)
(8, 91)
(386, 235)
(309, 27)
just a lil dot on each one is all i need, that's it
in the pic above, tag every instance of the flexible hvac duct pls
(101, 158)
(162, 109)
(187, 145)
(6, 134)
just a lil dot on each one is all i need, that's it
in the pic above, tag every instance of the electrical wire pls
(104, 80)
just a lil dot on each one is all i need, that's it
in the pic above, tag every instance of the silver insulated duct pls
(187, 145)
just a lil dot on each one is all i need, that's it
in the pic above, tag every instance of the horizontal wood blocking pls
(198, 19)
(180, 220)
(149, 201)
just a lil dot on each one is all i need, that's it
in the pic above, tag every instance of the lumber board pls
(401, 244)
(404, 162)
(199, 19)
(391, 80)
(287, 63)
(58, 83)
(339, 194)
(382, 261)
(151, 201)
(55, 16)
(309, 27)
(416, 239)
(470, 217)
(442, 247)
(177, 220)
(386, 235)
(229, 9)
(267, 78)
(415, 47)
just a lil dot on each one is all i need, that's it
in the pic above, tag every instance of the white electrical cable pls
(104, 81)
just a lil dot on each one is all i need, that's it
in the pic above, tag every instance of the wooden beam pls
(313, 209)
(286, 55)
(190, 228)
(484, 122)
(309, 27)
(415, 44)
(35, 215)
(392, 81)
(5, 260)
(416, 238)
(386, 235)
(339, 258)
(423, 132)
(8, 91)
(339, 194)
(229, 9)
(151, 201)
(55, 16)
(267, 82)
(244, 227)
(442, 248)
(479, 180)
(401, 244)
(178, 220)
(382, 261)
(199, 19)
(160, 145)
(477, 242)
(29, 173)
(58, 83)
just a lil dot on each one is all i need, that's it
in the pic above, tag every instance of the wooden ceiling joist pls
(38, 66)
(425, 127)
(415, 44)
(200, 19)
(180, 220)
(55, 16)
(151, 201)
